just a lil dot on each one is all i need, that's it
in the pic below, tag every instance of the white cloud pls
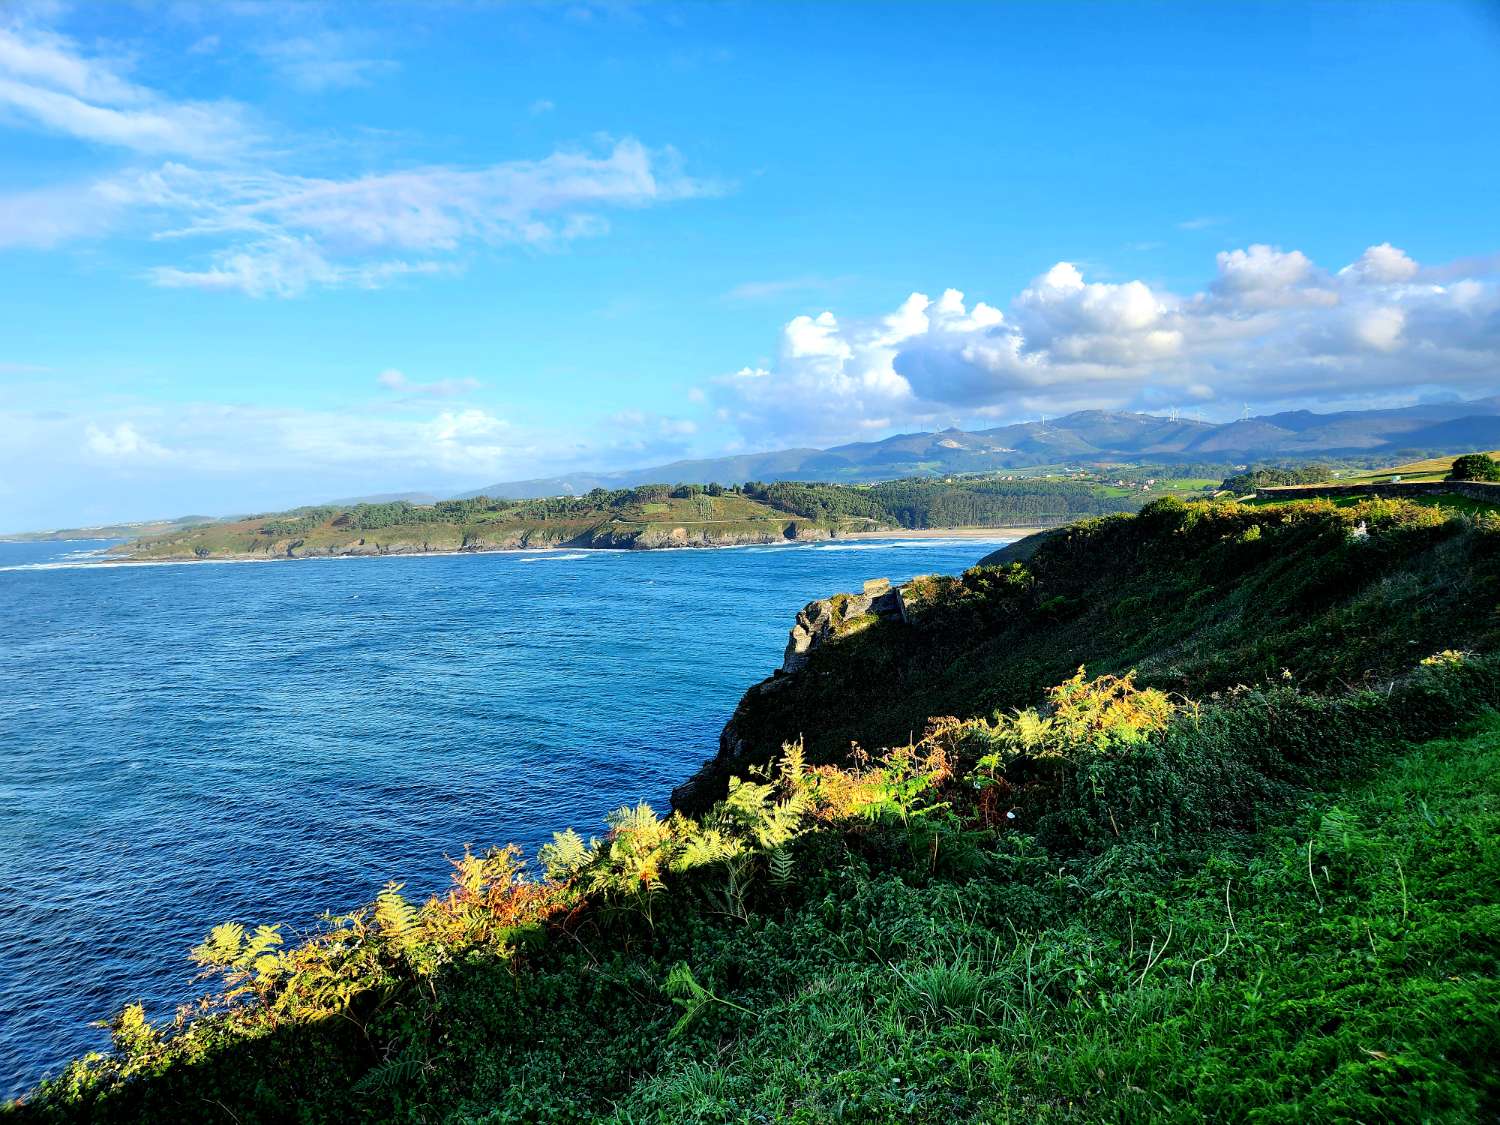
(46, 81)
(1266, 277)
(250, 228)
(393, 380)
(1270, 327)
(122, 443)
(324, 60)
(1381, 265)
(280, 235)
(283, 266)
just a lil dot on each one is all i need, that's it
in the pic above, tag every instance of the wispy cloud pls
(288, 234)
(767, 290)
(1202, 222)
(393, 380)
(48, 82)
(324, 60)
(242, 225)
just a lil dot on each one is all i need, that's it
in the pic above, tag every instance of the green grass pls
(1339, 963)
(1197, 597)
(1343, 967)
(1430, 469)
(1278, 903)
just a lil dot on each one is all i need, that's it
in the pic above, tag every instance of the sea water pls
(186, 744)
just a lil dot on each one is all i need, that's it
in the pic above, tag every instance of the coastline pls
(944, 533)
(124, 557)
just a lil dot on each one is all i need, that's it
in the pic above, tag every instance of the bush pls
(1475, 466)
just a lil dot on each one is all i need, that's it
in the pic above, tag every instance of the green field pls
(1431, 469)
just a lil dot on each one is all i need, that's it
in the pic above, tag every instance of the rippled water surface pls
(186, 744)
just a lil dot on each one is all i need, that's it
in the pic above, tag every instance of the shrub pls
(1475, 466)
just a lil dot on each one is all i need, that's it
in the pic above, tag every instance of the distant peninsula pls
(646, 517)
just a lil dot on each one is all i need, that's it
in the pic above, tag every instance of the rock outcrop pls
(821, 621)
(818, 623)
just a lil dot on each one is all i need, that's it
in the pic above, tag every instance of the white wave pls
(912, 544)
(124, 564)
(569, 557)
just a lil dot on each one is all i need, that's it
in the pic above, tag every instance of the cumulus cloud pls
(1270, 326)
(122, 443)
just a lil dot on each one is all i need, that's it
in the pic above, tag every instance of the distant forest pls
(913, 503)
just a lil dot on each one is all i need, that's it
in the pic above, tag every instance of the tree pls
(1475, 466)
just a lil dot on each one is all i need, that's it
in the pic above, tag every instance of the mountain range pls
(1087, 436)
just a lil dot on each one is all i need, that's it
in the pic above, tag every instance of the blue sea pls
(185, 744)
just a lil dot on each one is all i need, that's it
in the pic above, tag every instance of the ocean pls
(186, 744)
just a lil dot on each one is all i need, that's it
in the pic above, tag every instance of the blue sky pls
(255, 254)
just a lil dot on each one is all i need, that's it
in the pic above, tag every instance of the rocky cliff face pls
(821, 621)
(818, 623)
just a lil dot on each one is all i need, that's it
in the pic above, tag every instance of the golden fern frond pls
(265, 939)
(565, 856)
(396, 918)
(222, 948)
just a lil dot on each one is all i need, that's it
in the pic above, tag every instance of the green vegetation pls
(111, 530)
(1475, 466)
(1197, 597)
(653, 515)
(1428, 469)
(649, 516)
(1242, 483)
(1140, 897)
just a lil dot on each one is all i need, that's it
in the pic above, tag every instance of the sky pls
(257, 253)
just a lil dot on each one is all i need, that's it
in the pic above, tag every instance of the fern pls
(782, 867)
(691, 997)
(396, 918)
(393, 1074)
(222, 948)
(565, 857)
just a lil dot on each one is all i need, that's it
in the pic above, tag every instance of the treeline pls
(1273, 475)
(994, 503)
(912, 503)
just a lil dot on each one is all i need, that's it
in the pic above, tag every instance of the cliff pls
(622, 523)
(1198, 598)
(1172, 880)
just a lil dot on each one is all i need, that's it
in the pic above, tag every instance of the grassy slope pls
(1198, 598)
(1340, 967)
(1431, 469)
(1263, 911)
(1341, 963)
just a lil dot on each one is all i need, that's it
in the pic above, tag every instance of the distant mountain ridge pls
(1086, 435)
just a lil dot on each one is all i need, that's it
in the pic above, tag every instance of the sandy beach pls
(945, 533)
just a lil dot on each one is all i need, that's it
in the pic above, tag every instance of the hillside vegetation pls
(1258, 880)
(1427, 469)
(652, 516)
(647, 516)
(1196, 598)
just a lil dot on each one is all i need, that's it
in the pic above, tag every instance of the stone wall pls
(1474, 490)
